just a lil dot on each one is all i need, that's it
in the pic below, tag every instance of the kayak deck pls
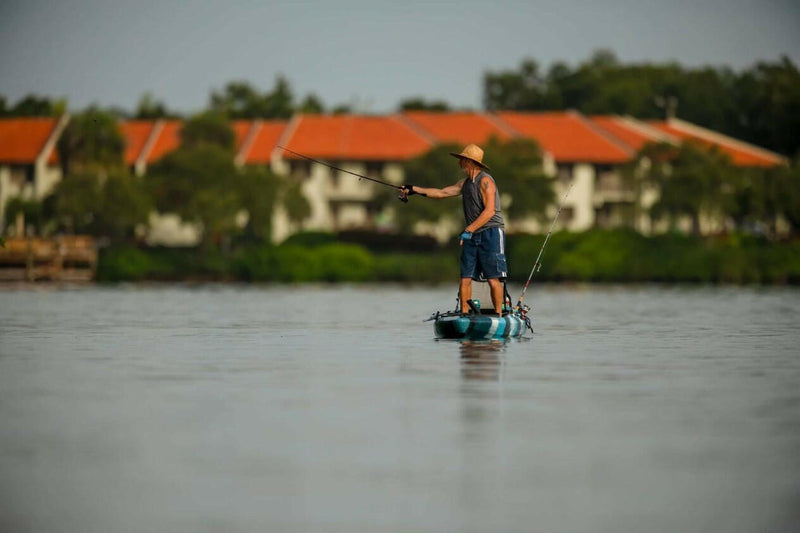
(453, 325)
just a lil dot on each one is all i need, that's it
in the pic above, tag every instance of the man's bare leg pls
(465, 293)
(496, 289)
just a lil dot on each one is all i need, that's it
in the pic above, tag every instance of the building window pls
(375, 169)
(565, 173)
(300, 169)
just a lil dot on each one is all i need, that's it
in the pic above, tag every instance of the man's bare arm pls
(446, 192)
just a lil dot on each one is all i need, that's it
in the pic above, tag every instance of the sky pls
(369, 54)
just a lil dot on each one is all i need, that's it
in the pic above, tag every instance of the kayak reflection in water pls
(481, 360)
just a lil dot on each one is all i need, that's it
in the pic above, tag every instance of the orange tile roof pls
(240, 130)
(355, 138)
(22, 139)
(265, 141)
(632, 132)
(135, 133)
(462, 127)
(741, 153)
(568, 136)
(169, 139)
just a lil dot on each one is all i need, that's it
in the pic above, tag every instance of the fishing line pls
(537, 265)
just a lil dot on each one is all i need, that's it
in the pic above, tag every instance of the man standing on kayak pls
(483, 240)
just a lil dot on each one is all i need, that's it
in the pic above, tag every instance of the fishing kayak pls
(454, 325)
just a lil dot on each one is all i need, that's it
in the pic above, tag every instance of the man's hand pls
(405, 192)
(467, 235)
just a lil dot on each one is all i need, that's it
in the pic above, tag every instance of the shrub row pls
(594, 256)
(626, 256)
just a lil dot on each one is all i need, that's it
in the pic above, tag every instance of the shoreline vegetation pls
(613, 256)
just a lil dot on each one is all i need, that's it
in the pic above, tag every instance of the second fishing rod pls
(537, 265)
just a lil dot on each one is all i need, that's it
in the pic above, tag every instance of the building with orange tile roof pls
(241, 130)
(741, 153)
(457, 127)
(259, 147)
(354, 138)
(138, 137)
(585, 151)
(135, 134)
(28, 158)
(634, 133)
(376, 146)
(167, 140)
(579, 153)
(568, 136)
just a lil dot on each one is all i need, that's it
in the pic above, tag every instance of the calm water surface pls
(245, 408)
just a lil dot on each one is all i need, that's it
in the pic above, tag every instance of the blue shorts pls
(484, 255)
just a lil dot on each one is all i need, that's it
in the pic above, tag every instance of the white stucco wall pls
(316, 188)
(47, 177)
(5, 194)
(580, 198)
(167, 229)
(14, 184)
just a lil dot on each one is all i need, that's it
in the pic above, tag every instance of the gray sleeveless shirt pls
(473, 202)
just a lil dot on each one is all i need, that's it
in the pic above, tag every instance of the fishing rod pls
(537, 265)
(402, 198)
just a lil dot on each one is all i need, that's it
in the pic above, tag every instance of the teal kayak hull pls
(456, 326)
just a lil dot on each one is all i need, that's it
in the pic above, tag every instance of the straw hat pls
(473, 153)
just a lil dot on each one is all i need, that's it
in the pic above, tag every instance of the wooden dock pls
(63, 258)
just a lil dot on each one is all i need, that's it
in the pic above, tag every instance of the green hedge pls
(593, 256)
(625, 256)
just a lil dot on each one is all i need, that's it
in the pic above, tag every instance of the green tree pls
(519, 90)
(294, 201)
(124, 205)
(33, 106)
(768, 106)
(77, 201)
(342, 109)
(420, 104)
(788, 182)
(279, 102)
(151, 108)
(258, 189)
(32, 210)
(760, 104)
(436, 168)
(311, 105)
(91, 142)
(199, 183)
(109, 206)
(753, 198)
(691, 180)
(208, 128)
(240, 99)
(517, 167)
